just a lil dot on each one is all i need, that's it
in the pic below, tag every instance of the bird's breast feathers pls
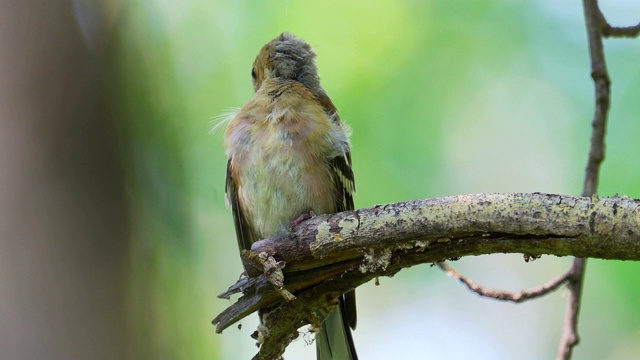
(280, 157)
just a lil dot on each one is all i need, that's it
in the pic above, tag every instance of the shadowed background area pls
(114, 236)
(64, 219)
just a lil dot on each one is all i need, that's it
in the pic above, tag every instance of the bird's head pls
(286, 58)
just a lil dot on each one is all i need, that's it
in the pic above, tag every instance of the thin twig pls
(596, 26)
(517, 297)
(570, 337)
(627, 31)
(595, 22)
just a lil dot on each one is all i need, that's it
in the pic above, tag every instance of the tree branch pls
(595, 22)
(517, 297)
(597, 26)
(328, 255)
(627, 31)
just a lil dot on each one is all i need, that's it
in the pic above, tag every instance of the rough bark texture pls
(331, 254)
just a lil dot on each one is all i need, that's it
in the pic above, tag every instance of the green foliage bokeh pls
(444, 97)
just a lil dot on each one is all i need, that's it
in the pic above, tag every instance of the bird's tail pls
(334, 341)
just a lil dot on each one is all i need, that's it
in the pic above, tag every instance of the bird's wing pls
(244, 233)
(334, 341)
(345, 189)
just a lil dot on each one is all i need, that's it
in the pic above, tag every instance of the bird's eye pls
(253, 73)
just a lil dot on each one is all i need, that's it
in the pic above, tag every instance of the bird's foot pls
(243, 275)
(303, 217)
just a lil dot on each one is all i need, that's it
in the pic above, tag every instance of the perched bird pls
(289, 155)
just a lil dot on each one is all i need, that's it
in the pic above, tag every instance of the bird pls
(288, 155)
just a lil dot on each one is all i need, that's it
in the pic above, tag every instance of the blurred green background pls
(444, 97)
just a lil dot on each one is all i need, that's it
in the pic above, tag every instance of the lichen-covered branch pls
(328, 255)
